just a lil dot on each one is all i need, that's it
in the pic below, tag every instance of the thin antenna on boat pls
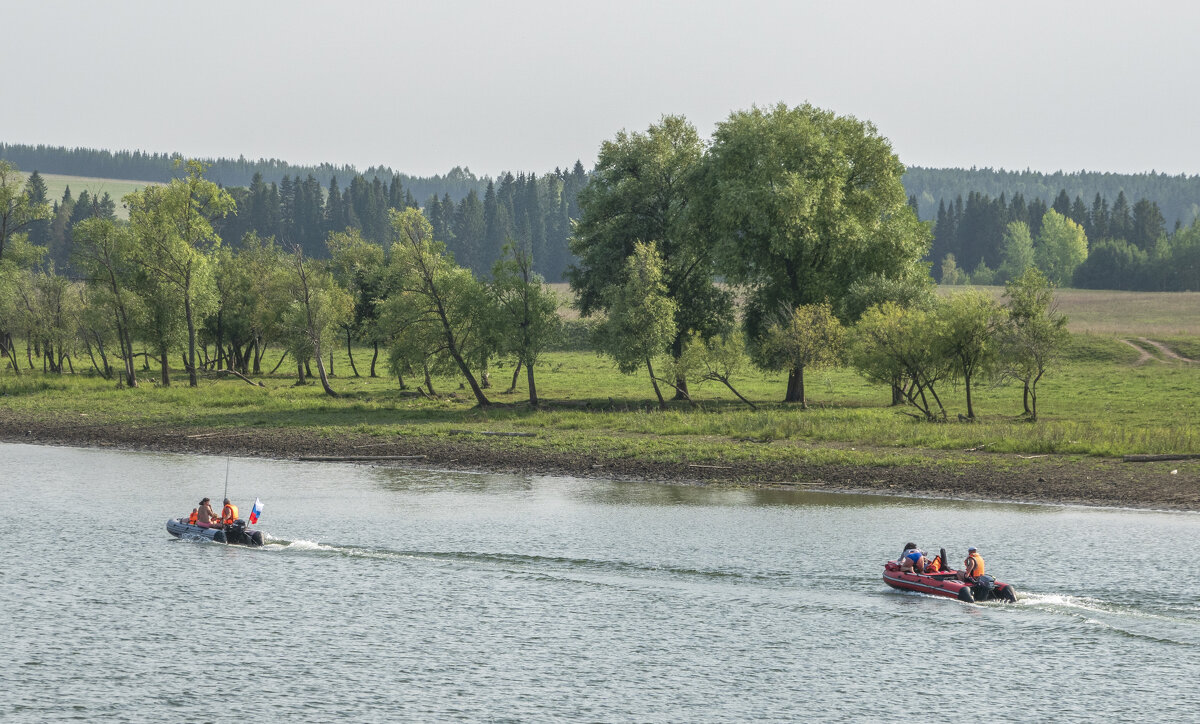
(226, 495)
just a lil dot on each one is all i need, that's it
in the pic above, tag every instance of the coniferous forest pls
(1137, 231)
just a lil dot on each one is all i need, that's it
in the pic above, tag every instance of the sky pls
(529, 86)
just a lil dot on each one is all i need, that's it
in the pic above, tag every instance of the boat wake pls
(512, 562)
(1173, 625)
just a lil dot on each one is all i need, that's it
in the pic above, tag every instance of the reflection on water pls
(390, 594)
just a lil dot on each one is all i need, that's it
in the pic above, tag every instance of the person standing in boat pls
(229, 513)
(972, 566)
(912, 560)
(206, 517)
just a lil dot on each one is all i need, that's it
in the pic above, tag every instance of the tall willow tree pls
(172, 225)
(801, 204)
(642, 191)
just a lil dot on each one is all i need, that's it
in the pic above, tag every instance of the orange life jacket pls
(229, 514)
(192, 518)
(935, 565)
(977, 571)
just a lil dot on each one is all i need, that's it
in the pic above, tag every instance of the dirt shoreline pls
(990, 477)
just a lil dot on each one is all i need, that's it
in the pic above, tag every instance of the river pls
(395, 594)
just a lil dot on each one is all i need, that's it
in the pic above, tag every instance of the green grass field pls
(56, 184)
(1099, 401)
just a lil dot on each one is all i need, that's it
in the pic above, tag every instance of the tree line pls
(1087, 245)
(784, 242)
(1178, 196)
(162, 167)
(299, 212)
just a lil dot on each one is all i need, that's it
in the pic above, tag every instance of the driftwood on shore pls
(355, 458)
(489, 432)
(1159, 458)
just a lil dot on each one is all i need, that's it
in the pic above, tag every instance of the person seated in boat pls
(194, 516)
(912, 560)
(206, 517)
(972, 567)
(229, 513)
(934, 566)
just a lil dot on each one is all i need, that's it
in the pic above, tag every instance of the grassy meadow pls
(56, 184)
(1099, 401)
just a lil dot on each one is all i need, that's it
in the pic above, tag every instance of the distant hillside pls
(1178, 197)
(161, 167)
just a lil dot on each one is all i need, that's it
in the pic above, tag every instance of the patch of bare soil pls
(1166, 351)
(1143, 355)
(1052, 479)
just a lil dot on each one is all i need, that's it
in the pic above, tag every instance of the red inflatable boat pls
(945, 584)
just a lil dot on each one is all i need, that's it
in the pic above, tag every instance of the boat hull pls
(946, 585)
(180, 528)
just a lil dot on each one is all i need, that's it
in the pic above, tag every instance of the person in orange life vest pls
(206, 517)
(934, 565)
(229, 513)
(194, 516)
(972, 566)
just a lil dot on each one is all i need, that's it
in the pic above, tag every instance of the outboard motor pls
(983, 588)
(236, 532)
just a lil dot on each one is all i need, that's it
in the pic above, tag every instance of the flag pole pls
(226, 495)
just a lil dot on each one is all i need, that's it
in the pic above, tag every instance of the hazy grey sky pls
(425, 86)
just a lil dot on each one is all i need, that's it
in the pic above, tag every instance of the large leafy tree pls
(969, 322)
(173, 226)
(641, 316)
(432, 300)
(1034, 335)
(1061, 247)
(19, 209)
(643, 191)
(808, 336)
(801, 204)
(104, 252)
(898, 346)
(526, 311)
(358, 265)
(1016, 252)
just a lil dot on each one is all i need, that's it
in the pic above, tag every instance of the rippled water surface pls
(434, 596)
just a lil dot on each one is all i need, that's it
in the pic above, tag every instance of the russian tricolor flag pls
(256, 511)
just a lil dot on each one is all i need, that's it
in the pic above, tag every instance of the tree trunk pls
(321, 371)
(282, 357)
(1033, 398)
(516, 374)
(307, 369)
(300, 379)
(725, 381)
(795, 388)
(350, 354)
(220, 339)
(166, 371)
(533, 398)
(331, 372)
(9, 347)
(259, 351)
(970, 407)
(375, 357)
(681, 388)
(662, 404)
(193, 379)
(428, 379)
(1025, 399)
(897, 393)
